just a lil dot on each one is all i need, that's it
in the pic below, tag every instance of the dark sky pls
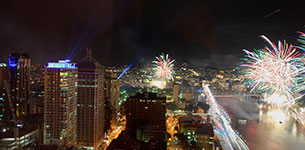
(211, 32)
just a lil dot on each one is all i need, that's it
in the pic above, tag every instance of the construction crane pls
(16, 124)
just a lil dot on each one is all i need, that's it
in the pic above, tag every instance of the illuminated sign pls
(2, 65)
(64, 74)
(62, 64)
(12, 61)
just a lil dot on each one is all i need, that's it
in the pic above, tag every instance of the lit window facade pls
(90, 104)
(19, 66)
(60, 104)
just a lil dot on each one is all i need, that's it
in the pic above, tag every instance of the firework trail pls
(301, 40)
(163, 67)
(275, 69)
(299, 114)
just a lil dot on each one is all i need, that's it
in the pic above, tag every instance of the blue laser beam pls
(100, 28)
(124, 70)
(86, 30)
(71, 36)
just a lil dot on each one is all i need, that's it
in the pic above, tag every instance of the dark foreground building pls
(145, 120)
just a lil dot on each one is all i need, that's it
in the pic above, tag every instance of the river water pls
(265, 128)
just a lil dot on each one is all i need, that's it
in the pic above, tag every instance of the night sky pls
(198, 32)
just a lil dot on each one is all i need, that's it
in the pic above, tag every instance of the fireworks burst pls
(163, 67)
(301, 40)
(299, 114)
(275, 69)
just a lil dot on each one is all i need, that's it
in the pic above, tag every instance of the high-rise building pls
(112, 90)
(90, 103)
(145, 117)
(112, 97)
(60, 103)
(3, 95)
(175, 92)
(19, 79)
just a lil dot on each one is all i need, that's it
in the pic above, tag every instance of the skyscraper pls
(112, 90)
(3, 97)
(90, 103)
(60, 103)
(19, 78)
(112, 97)
(145, 117)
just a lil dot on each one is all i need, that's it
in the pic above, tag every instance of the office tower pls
(19, 81)
(175, 92)
(60, 103)
(3, 95)
(90, 103)
(145, 117)
(112, 90)
(112, 97)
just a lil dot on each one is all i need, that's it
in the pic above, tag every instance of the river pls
(266, 128)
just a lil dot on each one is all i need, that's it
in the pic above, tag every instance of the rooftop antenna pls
(89, 54)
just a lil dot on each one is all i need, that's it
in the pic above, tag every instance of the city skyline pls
(183, 98)
(153, 74)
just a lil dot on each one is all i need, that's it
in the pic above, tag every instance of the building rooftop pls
(89, 62)
(29, 125)
(190, 119)
(147, 95)
(61, 64)
(206, 128)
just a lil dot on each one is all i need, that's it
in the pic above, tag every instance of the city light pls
(3, 65)
(278, 115)
(159, 84)
(12, 61)
(276, 99)
(166, 75)
(65, 64)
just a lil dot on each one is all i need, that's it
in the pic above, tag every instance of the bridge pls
(183, 113)
(239, 95)
(229, 140)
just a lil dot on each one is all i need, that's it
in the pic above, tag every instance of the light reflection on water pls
(277, 116)
(266, 129)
